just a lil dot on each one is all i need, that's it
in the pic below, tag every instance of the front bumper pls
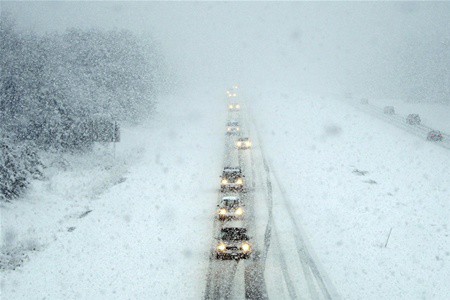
(232, 254)
(230, 216)
(231, 186)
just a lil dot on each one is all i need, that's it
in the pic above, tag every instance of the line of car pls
(411, 119)
(233, 241)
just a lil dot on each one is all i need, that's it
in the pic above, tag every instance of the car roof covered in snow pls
(231, 170)
(231, 198)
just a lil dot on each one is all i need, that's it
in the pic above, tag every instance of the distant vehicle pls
(230, 208)
(364, 101)
(232, 179)
(233, 244)
(231, 94)
(389, 110)
(413, 119)
(243, 143)
(435, 135)
(234, 106)
(233, 128)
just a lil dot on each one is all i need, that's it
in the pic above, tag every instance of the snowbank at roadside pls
(434, 115)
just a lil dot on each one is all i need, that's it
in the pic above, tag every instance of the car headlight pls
(238, 106)
(239, 181)
(224, 181)
(221, 247)
(228, 129)
(237, 128)
(222, 211)
(239, 144)
(230, 107)
(248, 144)
(239, 211)
(245, 247)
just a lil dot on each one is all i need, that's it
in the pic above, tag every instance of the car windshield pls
(230, 202)
(237, 234)
(231, 174)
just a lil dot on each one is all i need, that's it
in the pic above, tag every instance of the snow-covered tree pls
(53, 86)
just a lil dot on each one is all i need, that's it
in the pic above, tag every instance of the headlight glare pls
(245, 247)
(221, 247)
(239, 211)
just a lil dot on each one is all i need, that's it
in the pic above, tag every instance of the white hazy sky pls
(317, 45)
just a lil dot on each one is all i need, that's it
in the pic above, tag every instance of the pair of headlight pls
(245, 247)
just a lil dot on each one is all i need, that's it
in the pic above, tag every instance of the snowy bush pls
(19, 163)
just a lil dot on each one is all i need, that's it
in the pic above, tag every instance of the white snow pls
(131, 245)
(353, 178)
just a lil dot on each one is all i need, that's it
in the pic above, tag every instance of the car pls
(230, 208)
(435, 135)
(243, 143)
(389, 110)
(231, 94)
(233, 243)
(364, 101)
(413, 119)
(234, 106)
(233, 127)
(232, 179)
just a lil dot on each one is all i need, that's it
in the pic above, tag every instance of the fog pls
(393, 50)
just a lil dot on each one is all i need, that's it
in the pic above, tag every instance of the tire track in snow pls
(270, 227)
(308, 263)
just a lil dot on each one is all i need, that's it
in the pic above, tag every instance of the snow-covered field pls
(148, 233)
(353, 181)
